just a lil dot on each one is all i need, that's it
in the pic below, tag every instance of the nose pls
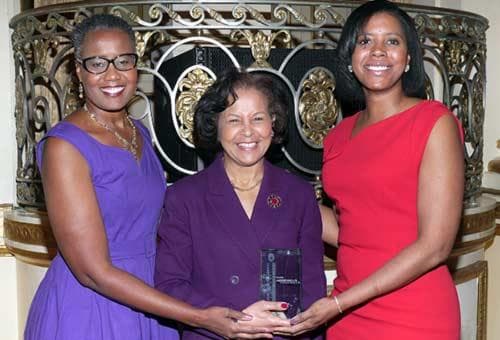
(379, 49)
(247, 129)
(112, 72)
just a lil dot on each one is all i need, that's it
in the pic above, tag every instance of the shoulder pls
(66, 139)
(338, 133)
(191, 184)
(63, 149)
(430, 110)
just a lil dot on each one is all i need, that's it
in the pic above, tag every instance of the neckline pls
(111, 147)
(380, 122)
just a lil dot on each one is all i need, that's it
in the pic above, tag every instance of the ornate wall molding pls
(28, 236)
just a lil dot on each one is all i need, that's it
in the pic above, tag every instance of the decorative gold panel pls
(318, 107)
(261, 43)
(192, 87)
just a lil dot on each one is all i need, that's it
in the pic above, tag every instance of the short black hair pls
(222, 94)
(348, 87)
(99, 22)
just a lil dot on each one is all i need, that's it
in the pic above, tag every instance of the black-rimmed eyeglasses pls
(97, 65)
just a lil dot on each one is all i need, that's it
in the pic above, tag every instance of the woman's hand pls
(268, 313)
(256, 321)
(315, 316)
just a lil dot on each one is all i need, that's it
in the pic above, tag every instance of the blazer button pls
(235, 279)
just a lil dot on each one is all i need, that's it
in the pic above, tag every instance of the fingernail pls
(247, 317)
(284, 305)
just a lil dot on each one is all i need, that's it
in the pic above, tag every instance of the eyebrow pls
(372, 34)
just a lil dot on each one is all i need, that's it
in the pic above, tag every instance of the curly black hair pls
(99, 22)
(222, 94)
(348, 87)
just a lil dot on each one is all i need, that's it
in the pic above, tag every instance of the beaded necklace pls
(130, 146)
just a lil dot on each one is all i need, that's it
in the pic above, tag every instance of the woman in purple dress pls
(104, 190)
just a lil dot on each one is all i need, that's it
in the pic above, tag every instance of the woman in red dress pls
(395, 173)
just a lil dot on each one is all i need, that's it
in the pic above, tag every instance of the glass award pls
(280, 278)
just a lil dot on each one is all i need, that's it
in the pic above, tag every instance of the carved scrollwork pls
(455, 54)
(318, 108)
(192, 87)
(152, 38)
(261, 44)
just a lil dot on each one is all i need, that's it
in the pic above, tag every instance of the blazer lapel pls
(269, 204)
(230, 214)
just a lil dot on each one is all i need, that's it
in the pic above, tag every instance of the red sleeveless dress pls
(373, 178)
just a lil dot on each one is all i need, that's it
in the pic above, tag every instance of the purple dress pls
(130, 197)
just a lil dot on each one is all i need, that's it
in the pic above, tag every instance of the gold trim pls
(470, 247)
(477, 270)
(477, 222)
(465, 247)
(4, 252)
(329, 264)
(37, 259)
(36, 234)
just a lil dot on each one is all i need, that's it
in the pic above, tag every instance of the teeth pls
(247, 145)
(113, 90)
(378, 68)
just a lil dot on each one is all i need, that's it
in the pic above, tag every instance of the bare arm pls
(78, 228)
(330, 233)
(440, 193)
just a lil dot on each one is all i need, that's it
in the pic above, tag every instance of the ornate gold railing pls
(46, 87)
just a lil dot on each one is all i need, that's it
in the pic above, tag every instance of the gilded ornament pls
(261, 44)
(192, 87)
(318, 108)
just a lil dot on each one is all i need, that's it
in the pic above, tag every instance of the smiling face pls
(111, 90)
(381, 54)
(245, 129)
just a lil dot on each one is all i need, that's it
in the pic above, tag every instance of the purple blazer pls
(209, 251)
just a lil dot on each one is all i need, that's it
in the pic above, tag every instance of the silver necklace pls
(130, 146)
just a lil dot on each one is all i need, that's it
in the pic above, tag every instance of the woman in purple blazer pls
(216, 222)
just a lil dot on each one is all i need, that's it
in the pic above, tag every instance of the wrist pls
(197, 318)
(337, 304)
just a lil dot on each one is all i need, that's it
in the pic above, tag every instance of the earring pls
(349, 68)
(80, 90)
(407, 68)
